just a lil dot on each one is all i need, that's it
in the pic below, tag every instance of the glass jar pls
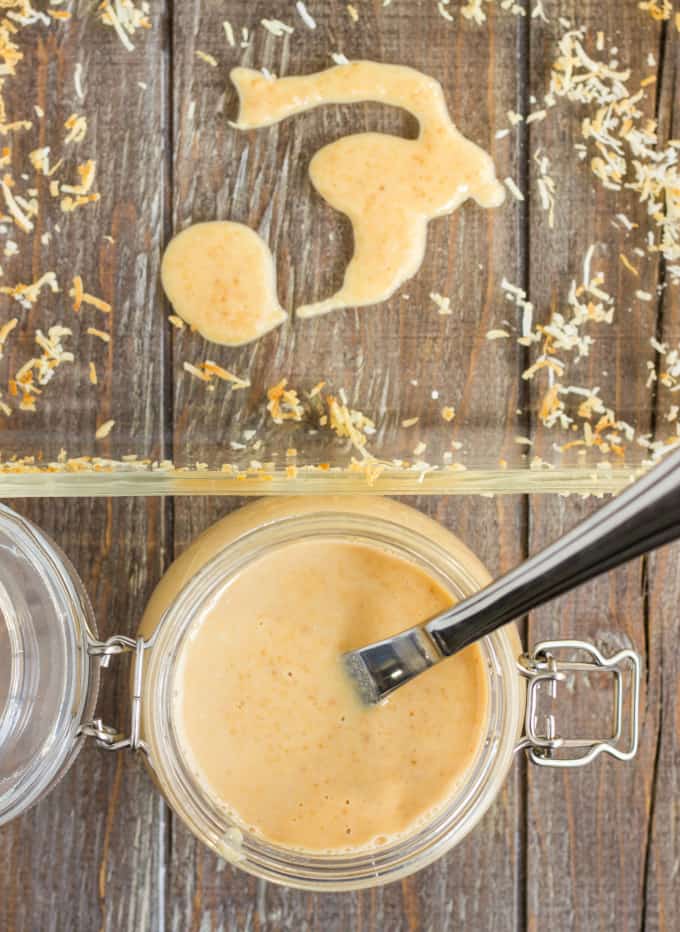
(515, 717)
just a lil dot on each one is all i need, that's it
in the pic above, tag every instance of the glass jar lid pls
(48, 681)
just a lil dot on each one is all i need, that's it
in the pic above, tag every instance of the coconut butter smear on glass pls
(222, 281)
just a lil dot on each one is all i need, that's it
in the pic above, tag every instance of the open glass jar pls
(517, 685)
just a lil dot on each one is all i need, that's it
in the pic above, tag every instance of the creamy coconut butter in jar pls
(254, 734)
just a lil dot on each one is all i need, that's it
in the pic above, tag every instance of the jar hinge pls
(106, 736)
(542, 740)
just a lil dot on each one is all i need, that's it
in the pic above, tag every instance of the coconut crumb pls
(125, 18)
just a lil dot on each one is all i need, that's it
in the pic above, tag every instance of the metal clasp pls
(107, 737)
(543, 740)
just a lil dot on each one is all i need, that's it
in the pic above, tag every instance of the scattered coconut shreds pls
(126, 18)
(29, 379)
(176, 322)
(497, 335)
(339, 58)
(410, 421)
(277, 28)
(207, 371)
(443, 304)
(284, 404)
(27, 295)
(207, 58)
(77, 128)
(18, 215)
(92, 373)
(626, 152)
(326, 411)
(448, 413)
(104, 429)
(353, 12)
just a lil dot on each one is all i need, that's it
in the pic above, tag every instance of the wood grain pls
(91, 855)
(586, 828)
(584, 850)
(261, 178)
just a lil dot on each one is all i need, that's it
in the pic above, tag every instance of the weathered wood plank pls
(478, 885)
(662, 844)
(90, 856)
(261, 179)
(91, 853)
(586, 829)
(114, 245)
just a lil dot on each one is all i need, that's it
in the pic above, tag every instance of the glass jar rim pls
(359, 868)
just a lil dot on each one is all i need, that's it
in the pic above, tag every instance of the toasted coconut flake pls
(207, 58)
(77, 128)
(17, 214)
(104, 429)
(410, 421)
(212, 369)
(27, 295)
(77, 292)
(93, 374)
(100, 334)
(284, 404)
(125, 18)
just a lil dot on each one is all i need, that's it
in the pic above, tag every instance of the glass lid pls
(48, 683)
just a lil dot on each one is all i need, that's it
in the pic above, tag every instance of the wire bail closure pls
(542, 739)
(106, 736)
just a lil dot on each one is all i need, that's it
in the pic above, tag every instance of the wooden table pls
(597, 848)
